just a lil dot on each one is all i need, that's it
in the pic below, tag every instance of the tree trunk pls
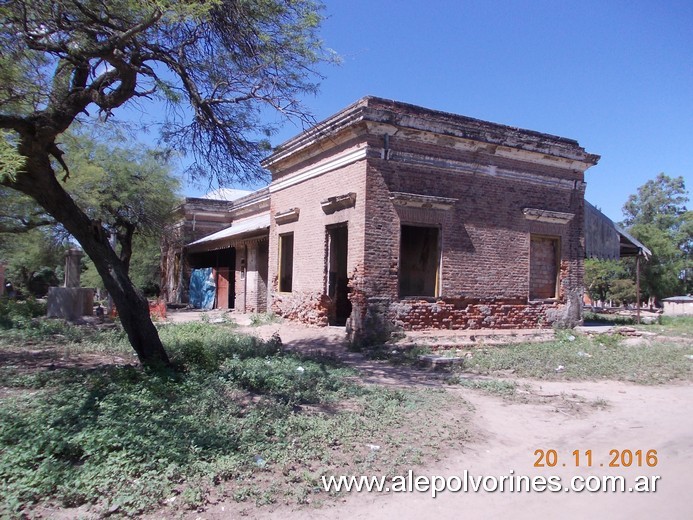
(39, 182)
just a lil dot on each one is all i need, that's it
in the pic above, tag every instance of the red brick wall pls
(485, 242)
(462, 313)
(307, 301)
(485, 237)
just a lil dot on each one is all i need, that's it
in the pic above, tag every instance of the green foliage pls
(20, 213)
(220, 70)
(658, 217)
(119, 182)
(623, 291)
(11, 162)
(128, 188)
(659, 202)
(242, 59)
(660, 276)
(680, 325)
(33, 259)
(600, 275)
(610, 319)
(586, 357)
(124, 439)
(19, 314)
(289, 380)
(145, 266)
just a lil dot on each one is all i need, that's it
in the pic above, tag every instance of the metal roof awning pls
(605, 240)
(631, 246)
(238, 230)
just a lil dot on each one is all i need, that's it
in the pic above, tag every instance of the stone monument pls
(71, 301)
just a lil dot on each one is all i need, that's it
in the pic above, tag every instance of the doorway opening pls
(212, 282)
(337, 279)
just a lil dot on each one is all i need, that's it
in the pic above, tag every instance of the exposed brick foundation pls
(460, 313)
(310, 308)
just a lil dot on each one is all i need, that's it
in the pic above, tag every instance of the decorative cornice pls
(333, 164)
(411, 118)
(332, 204)
(415, 159)
(545, 215)
(284, 217)
(414, 200)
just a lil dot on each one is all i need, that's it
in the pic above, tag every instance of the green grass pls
(502, 388)
(237, 417)
(611, 319)
(677, 324)
(588, 358)
(266, 318)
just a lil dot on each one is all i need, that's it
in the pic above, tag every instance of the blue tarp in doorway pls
(202, 288)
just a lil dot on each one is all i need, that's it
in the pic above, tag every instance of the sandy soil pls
(636, 418)
(563, 416)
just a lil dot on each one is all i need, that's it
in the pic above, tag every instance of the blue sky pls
(616, 76)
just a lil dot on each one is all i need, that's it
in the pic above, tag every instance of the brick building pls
(389, 215)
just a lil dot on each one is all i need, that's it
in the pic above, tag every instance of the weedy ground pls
(236, 418)
(661, 355)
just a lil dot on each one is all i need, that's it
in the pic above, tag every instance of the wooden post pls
(637, 286)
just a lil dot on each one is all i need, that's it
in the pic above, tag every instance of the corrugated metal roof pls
(237, 229)
(605, 240)
(633, 242)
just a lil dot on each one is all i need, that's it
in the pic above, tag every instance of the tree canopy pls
(600, 276)
(657, 216)
(217, 66)
(125, 186)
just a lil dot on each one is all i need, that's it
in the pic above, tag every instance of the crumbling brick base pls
(310, 308)
(461, 313)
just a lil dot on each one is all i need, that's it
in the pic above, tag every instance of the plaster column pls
(72, 267)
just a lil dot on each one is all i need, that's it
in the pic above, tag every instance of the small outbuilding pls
(678, 306)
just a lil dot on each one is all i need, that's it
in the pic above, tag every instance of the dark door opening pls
(263, 277)
(419, 261)
(337, 280)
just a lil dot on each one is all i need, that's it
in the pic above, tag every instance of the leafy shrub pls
(286, 378)
(123, 438)
(20, 313)
(202, 346)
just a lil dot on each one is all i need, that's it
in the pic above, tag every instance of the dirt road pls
(560, 416)
(635, 418)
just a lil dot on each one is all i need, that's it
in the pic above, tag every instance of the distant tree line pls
(658, 217)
